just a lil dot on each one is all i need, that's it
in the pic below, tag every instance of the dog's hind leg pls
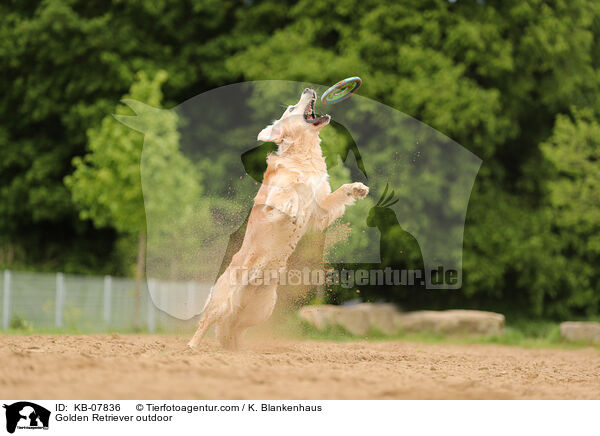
(228, 336)
(218, 306)
(206, 320)
(210, 314)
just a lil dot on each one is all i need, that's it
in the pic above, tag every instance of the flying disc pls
(341, 90)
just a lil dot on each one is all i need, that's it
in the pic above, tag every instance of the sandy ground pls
(160, 367)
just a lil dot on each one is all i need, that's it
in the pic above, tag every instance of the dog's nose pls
(308, 91)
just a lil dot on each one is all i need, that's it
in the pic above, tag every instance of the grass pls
(29, 330)
(520, 333)
(68, 331)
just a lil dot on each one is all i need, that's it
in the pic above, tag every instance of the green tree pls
(497, 77)
(107, 182)
(574, 150)
(64, 65)
(492, 76)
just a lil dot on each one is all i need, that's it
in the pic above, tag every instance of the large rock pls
(470, 322)
(359, 319)
(581, 331)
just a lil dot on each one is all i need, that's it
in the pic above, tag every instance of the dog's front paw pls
(358, 190)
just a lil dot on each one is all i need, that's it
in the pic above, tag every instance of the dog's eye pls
(291, 109)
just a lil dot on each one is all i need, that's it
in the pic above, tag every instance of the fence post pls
(60, 299)
(151, 314)
(107, 298)
(6, 301)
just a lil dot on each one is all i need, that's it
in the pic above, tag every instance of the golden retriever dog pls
(295, 196)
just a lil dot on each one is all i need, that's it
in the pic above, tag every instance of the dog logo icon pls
(26, 415)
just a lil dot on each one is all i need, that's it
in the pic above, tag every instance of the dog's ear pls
(270, 134)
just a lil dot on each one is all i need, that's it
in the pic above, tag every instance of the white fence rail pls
(42, 301)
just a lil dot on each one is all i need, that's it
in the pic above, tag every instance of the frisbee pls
(341, 90)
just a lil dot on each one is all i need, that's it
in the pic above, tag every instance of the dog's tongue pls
(319, 119)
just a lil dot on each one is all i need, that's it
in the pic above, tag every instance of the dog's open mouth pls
(311, 117)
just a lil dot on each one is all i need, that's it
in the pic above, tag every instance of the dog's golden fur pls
(294, 197)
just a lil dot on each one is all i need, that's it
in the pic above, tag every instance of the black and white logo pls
(26, 415)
